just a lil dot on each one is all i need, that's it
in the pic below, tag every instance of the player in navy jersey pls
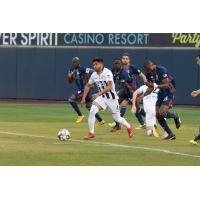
(122, 80)
(80, 75)
(134, 73)
(158, 77)
(195, 93)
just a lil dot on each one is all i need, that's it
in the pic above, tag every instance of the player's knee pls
(162, 113)
(158, 116)
(71, 99)
(93, 110)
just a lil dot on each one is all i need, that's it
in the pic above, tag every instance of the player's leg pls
(97, 105)
(170, 115)
(123, 106)
(139, 115)
(196, 139)
(113, 105)
(151, 120)
(88, 100)
(140, 119)
(73, 101)
(120, 100)
(160, 114)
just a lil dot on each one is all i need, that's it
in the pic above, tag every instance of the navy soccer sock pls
(165, 126)
(170, 115)
(142, 112)
(139, 118)
(76, 108)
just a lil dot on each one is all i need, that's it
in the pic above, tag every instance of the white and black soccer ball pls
(63, 135)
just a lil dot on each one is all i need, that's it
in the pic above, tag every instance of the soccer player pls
(134, 73)
(121, 79)
(80, 75)
(195, 93)
(158, 77)
(105, 98)
(149, 103)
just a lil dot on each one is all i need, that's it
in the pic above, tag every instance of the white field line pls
(108, 144)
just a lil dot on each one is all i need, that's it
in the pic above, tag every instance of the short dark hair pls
(147, 63)
(75, 59)
(97, 59)
(126, 54)
(198, 56)
(117, 60)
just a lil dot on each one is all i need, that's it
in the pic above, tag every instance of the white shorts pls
(150, 110)
(112, 104)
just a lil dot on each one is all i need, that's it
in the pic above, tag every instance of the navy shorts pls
(78, 97)
(165, 99)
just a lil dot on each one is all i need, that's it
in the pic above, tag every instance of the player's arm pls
(126, 80)
(143, 77)
(149, 91)
(165, 83)
(69, 76)
(86, 91)
(88, 85)
(195, 93)
(135, 95)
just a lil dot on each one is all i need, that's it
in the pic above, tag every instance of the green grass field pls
(28, 136)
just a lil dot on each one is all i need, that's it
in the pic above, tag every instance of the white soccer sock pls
(121, 120)
(91, 119)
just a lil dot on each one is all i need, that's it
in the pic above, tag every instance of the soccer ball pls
(63, 135)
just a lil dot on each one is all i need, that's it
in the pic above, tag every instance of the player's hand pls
(70, 77)
(155, 86)
(194, 93)
(133, 109)
(94, 96)
(82, 102)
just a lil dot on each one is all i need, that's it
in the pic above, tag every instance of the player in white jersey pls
(149, 103)
(105, 98)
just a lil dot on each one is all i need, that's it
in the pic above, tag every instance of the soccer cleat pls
(112, 124)
(115, 129)
(141, 127)
(101, 123)
(89, 136)
(130, 132)
(155, 133)
(193, 142)
(177, 121)
(170, 137)
(79, 118)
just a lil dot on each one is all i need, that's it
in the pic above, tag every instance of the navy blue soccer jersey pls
(161, 74)
(133, 73)
(121, 76)
(80, 75)
(122, 80)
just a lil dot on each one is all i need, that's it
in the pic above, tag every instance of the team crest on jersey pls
(165, 99)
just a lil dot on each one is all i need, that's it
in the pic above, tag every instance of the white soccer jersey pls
(152, 95)
(149, 104)
(101, 81)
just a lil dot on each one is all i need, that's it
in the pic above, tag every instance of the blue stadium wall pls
(39, 73)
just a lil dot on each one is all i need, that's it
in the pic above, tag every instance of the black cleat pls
(197, 137)
(177, 121)
(170, 137)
